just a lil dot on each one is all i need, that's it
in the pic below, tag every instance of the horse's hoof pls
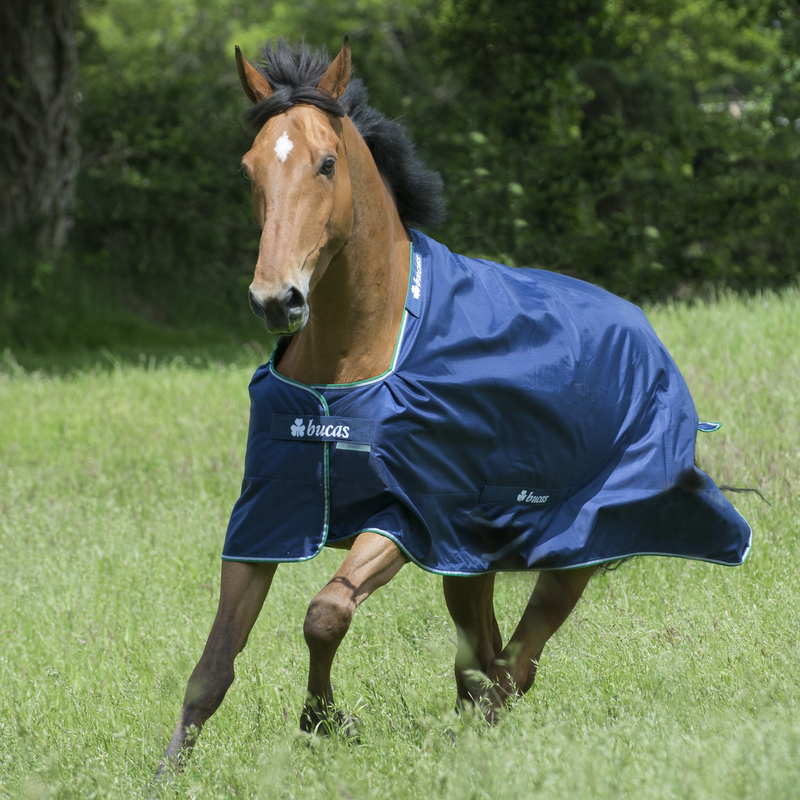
(492, 701)
(162, 781)
(465, 706)
(330, 722)
(483, 706)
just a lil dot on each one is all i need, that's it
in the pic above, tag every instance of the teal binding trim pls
(708, 427)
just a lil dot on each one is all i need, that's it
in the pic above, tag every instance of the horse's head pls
(301, 195)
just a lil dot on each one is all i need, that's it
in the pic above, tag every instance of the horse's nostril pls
(255, 305)
(280, 313)
(293, 300)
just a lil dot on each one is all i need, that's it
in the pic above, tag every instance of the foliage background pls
(646, 145)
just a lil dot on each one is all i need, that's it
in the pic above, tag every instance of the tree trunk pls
(39, 153)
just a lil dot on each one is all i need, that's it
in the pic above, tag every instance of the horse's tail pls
(743, 490)
(690, 481)
(610, 566)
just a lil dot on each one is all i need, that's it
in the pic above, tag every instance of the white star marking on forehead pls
(283, 146)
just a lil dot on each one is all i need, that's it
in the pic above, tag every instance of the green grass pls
(672, 679)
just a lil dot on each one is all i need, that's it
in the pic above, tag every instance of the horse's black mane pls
(294, 72)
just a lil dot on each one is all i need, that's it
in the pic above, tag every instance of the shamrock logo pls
(522, 496)
(298, 429)
(415, 290)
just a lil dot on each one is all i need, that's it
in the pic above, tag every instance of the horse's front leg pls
(470, 601)
(372, 562)
(243, 590)
(512, 671)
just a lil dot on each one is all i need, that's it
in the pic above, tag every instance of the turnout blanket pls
(528, 421)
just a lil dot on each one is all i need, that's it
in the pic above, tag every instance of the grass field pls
(672, 679)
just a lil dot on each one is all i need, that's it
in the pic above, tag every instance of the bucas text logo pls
(532, 497)
(306, 429)
(416, 284)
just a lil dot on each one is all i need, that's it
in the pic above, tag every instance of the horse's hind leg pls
(243, 590)
(372, 562)
(470, 603)
(513, 669)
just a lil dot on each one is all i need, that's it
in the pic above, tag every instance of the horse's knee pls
(327, 620)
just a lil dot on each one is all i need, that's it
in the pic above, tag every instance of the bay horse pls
(574, 454)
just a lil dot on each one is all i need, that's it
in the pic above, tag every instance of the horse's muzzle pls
(282, 315)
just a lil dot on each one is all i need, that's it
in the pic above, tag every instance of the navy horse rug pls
(528, 421)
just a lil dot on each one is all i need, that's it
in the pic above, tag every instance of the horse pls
(354, 437)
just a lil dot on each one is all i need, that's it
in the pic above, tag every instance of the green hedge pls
(651, 147)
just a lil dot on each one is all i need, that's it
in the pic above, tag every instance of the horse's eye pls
(328, 167)
(244, 172)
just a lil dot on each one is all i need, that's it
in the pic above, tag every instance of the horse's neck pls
(357, 307)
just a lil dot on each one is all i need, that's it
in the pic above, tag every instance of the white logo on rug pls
(416, 283)
(531, 497)
(307, 429)
(298, 429)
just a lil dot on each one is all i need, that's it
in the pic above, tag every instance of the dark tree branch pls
(38, 134)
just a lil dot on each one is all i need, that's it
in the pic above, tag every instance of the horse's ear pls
(336, 77)
(255, 85)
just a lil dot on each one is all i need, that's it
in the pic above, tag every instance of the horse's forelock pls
(284, 98)
(293, 65)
